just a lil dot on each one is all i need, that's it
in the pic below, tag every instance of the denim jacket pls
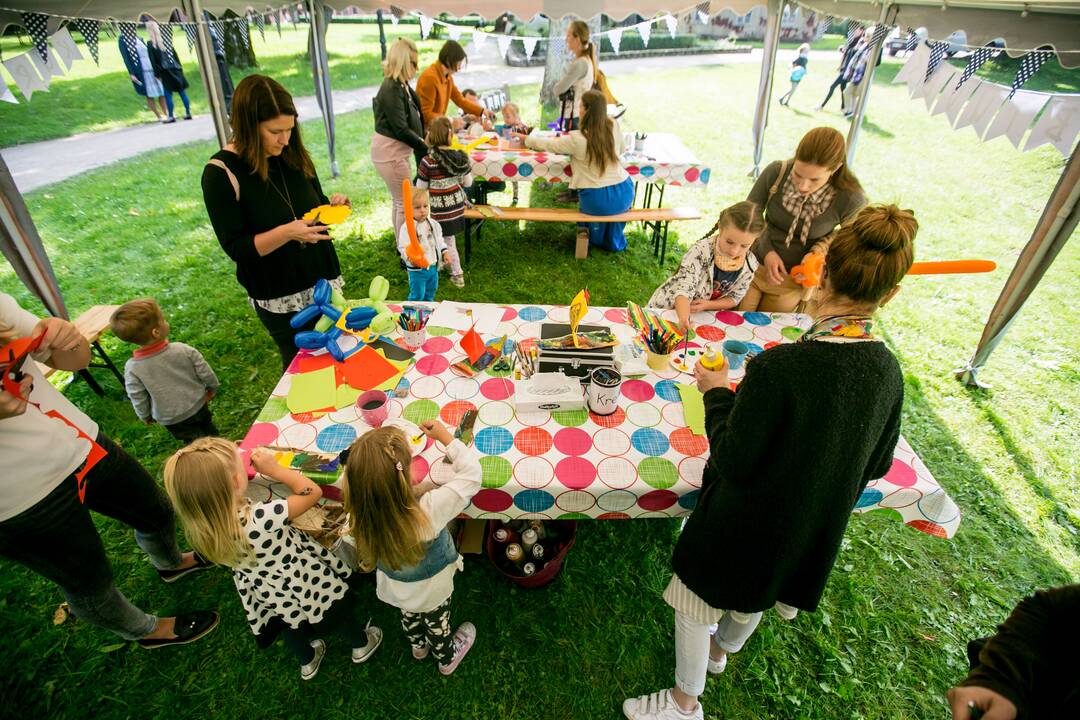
(440, 553)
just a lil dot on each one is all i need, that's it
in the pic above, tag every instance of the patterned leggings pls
(431, 629)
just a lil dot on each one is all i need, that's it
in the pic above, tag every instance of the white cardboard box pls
(548, 391)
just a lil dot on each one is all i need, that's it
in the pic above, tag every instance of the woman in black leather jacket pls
(399, 126)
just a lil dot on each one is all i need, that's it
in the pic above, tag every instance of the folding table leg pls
(85, 375)
(108, 362)
(468, 238)
(663, 246)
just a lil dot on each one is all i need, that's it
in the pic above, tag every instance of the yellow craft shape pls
(329, 214)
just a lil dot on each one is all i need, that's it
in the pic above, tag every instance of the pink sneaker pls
(419, 653)
(464, 637)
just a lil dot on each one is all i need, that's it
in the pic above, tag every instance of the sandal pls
(189, 627)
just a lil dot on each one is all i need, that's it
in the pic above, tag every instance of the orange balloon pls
(414, 252)
(808, 274)
(945, 267)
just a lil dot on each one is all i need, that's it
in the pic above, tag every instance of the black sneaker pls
(189, 628)
(174, 575)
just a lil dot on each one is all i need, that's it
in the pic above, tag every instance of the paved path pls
(36, 165)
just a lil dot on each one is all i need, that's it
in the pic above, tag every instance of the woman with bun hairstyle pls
(811, 424)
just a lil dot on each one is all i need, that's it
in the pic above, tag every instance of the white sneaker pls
(715, 667)
(464, 637)
(457, 280)
(312, 668)
(786, 611)
(659, 706)
(374, 639)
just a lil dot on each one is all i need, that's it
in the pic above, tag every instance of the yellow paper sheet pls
(312, 391)
(693, 403)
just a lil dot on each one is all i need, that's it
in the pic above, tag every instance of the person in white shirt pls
(406, 538)
(580, 74)
(423, 281)
(604, 185)
(45, 521)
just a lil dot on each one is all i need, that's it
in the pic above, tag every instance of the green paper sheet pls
(346, 396)
(313, 391)
(693, 403)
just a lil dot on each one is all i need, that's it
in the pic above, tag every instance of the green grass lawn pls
(889, 637)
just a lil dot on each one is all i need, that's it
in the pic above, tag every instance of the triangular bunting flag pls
(277, 23)
(6, 95)
(1028, 67)
(454, 32)
(958, 100)
(260, 25)
(89, 30)
(912, 40)
(393, 17)
(26, 78)
(128, 31)
(65, 47)
(478, 38)
(615, 36)
(853, 26)
(937, 54)
(167, 38)
(672, 24)
(504, 44)
(975, 62)
(1058, 125)
(473, 345)
(981, 108)
(879, 34)
(35, 24)
(645, 31)
(47, 68)
(190, 30)
(530, 46)
(915, 66)
(425, 25)
(244, 31)
(219, 28)
(1015, 116)
(930, 90)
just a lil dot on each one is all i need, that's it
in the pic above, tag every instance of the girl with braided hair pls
(405, 536)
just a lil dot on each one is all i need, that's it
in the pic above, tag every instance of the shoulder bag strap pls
(232, 178)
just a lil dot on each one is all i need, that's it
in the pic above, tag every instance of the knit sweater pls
(790, 453)
(168, 384)
(446, 187)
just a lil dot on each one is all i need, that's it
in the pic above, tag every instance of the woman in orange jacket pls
(436, 87)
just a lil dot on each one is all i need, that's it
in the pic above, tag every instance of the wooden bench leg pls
(85, 375)
(581, 243)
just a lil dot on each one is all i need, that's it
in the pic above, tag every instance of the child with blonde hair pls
(423, 282)
(407, 538)
(511, 116)
(717, 270)
(288, 583)
(798, 72)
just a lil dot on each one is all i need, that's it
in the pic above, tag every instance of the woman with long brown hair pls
(805, 199)
(812, 423)
(257, 190)
(604, 185)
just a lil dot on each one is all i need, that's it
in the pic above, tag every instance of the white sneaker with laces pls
(312, 668)
(464, 637)
(374, 639)
(786, 611)
(659, 706)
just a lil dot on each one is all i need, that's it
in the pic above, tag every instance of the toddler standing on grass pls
(407, 537)
(168, 383)
(423, 282)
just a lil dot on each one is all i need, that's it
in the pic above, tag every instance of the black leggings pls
(841, 83)
(342, 621)
(282, 333)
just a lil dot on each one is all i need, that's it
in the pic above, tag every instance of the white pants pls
(455, 259)
(692, 646)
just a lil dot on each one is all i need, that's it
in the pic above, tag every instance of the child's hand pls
(437, 431)
(519, 136)
(339, 199)
(446, 257)
(263, 461)
(210, 394)
(709, 379)
(10, 405)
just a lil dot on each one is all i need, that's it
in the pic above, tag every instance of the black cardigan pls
(293, 267)
(397, 115)
(790, 453)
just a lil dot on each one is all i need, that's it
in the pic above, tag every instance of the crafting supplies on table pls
(643, 460)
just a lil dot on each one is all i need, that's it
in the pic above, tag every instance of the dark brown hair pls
(134, 322)
(580, 30)
(825, 147)
(439, 132)
(871, 253)
(744, 216)
(259, 98)
(599, 131)
(451, 55)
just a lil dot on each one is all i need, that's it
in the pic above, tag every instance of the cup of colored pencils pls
(413, 324)
(659, 344)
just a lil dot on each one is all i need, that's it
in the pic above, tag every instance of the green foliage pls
(889, 637)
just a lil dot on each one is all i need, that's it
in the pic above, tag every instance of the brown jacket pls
(436, 89)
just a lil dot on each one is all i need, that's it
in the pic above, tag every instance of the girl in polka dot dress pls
(288, 583)
(407, 538)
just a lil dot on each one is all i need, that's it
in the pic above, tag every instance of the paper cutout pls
(1058, 125)
(473, 345)
(26, 78)
(366, 369)
(982, 107)
(392, 351)
(311, 363)
(693, 407)
(483, 318)
(346, 395)
(312, 391)
(329, 214)
(65, 47)
(1015, 116)
(6, 95)
(578, 307)
(413, 252)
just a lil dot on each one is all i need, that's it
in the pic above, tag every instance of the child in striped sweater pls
(446, 173)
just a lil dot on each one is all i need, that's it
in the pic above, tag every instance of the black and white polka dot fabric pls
(35, 25)
(290, 576)
(89, 30)
(167, 38)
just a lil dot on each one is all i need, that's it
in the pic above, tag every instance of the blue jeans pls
(423, 283)
(610, 200)
(183, 97)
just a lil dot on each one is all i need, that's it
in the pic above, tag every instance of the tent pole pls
(863, 97)
(765, 83)
(320, 70)
(208, 68)
(382, 33)
(1055, 227)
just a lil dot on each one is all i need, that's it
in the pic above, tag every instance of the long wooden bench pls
(656, 219)
(92, 324)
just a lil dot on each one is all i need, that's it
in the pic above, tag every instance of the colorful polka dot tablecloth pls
(665, 160)
(641, 461)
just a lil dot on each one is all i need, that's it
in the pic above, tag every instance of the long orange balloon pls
(948, 267)
(413, 251)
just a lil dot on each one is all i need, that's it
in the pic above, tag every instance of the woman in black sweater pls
(812, 423)
(399, 125)
(257, 190)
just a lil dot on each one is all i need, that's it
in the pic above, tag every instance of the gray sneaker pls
(312, 668)
(374, 639)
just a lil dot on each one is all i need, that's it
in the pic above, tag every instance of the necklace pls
(283, 195)
(845, 326)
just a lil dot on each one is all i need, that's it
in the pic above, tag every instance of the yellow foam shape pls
(329, 214)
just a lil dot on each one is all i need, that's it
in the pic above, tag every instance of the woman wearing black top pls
(257, 190)
(811, 424)
(399, 126)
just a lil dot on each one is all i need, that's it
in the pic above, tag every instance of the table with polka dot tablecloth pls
(641, 461)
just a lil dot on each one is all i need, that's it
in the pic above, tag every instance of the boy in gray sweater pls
(168, 383)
